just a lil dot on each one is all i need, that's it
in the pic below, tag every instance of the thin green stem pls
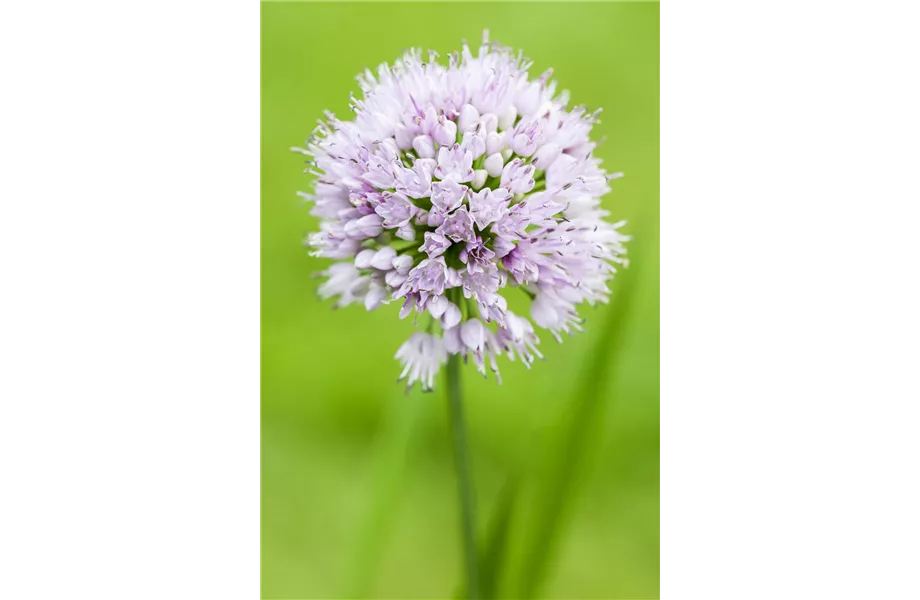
(464, 479)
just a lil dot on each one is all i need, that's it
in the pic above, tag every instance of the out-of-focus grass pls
(391, 453)
(495, 546)
(342, 514)
(572, 445)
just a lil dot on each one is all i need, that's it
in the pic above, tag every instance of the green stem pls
(464, 479)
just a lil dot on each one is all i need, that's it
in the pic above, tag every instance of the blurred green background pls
(358, 487)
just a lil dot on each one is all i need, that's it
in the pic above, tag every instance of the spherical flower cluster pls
(452, 184)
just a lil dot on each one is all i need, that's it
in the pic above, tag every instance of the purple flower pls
(396, 210)
(476, 256)
(367, 226)
(502, 246)
(447, 195)
(403, 169)
(518, 177)
(469, 117)
(518, 337)
(521, 262)
(513, 223)
(473, 335)
(498, 310)
(430, 276)
(446, 311)
(344, 281)
(474, 143)
(488, 206)
(455, 163)
(458, 226)
(472, 338)
(545, 156)
(526, 138)
(482, 285)
(422, 356)
(445, 131)
(554, 314)
(416, 182)
(423, 146)
(435, 244)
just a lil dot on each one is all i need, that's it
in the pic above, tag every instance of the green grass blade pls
(573, 439)
(492, 556)
(492, 553)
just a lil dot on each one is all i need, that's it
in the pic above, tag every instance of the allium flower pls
(452, 186)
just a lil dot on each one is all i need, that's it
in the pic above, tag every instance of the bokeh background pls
(358, 488)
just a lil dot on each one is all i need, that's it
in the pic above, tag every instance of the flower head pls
(453, 185)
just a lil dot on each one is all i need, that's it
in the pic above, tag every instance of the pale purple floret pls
(458, 226)
(454, 163)
(473, 340)
(416, 182)
(447, 195)
(435, 244)
(518, 177)
(521, 263)
(487, 206)
(476, 256)
(482, 285)
(432, 276)
(518, 338)
(396, 210)
(422, 356)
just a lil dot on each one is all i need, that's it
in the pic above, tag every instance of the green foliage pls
(573, 444)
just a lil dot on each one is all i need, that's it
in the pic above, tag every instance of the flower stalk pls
(464, 478)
